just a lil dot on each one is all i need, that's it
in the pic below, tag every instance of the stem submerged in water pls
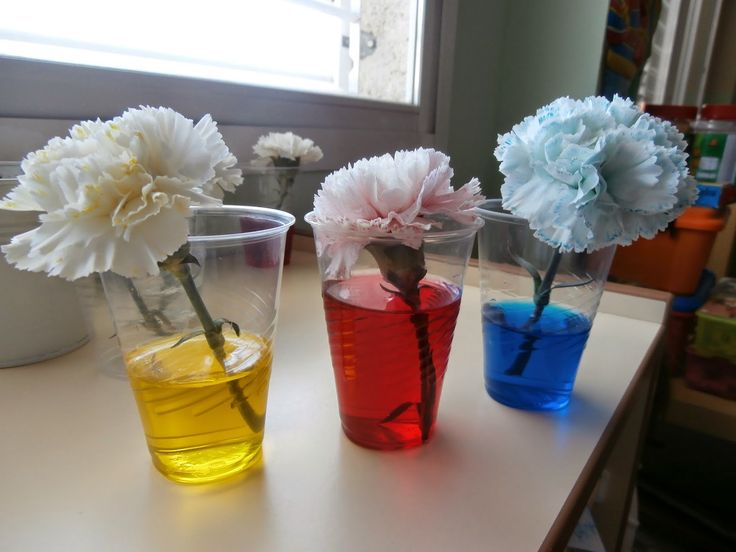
(541, 299)
(427, 372)
(404, 268)
(285, 177)
(178, 265)
(151, 319)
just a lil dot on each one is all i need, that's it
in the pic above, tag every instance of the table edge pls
(564, 525)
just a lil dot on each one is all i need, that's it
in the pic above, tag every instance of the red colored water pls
(375, 344)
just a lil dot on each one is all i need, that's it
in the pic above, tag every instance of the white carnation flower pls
(115, 195)
(286, 146)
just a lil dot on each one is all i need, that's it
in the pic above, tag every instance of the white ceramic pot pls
(40, 316)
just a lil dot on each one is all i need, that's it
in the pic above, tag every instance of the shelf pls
(700, 411)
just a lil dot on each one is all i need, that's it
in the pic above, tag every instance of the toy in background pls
(711, 360)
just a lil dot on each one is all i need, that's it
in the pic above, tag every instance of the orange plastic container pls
(674, 259)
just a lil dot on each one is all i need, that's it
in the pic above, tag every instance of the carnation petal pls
(591, 173)
(388, 196)
(227, 177)
(167, 144)
(115, 195)
(73, 251)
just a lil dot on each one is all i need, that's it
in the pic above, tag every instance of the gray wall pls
(511, 57)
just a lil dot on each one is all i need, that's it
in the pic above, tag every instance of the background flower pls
(590, 173)
(286, 146)
(392, 196)
(115, 195)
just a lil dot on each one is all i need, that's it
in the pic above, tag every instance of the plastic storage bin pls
(710, 364)
(716, 336)
(716, 376)
(674, 259)
(715, 332)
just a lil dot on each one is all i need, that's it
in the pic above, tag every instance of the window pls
(683, 48)
(364, 48)
(41, 99)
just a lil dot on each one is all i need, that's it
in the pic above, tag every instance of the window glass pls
(363, 48)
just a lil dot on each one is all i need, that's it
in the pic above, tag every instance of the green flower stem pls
(427, 372)
(285, 178)
(285, 163)
(541, 299)
(543, 294)
(178, 265)
(286, 181)
(404, 268)
(149, 317)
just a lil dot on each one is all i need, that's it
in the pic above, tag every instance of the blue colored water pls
(534, 367)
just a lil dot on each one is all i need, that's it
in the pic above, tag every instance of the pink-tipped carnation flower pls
(389, 196)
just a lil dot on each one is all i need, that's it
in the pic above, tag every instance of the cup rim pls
(492, 209)
(284, 219)
(433, 234)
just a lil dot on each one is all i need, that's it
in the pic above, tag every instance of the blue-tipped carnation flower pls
(587, 174)
(591, 173)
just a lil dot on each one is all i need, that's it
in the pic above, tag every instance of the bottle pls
(713, 158)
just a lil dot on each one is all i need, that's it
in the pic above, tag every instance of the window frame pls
(32, 92)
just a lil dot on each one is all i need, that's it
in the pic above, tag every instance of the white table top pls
(75, 473)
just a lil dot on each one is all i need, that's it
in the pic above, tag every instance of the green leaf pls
(187, 338)
(220, 322)
(190, 259)
(234, 326)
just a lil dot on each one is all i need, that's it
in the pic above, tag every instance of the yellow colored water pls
(195, 431)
